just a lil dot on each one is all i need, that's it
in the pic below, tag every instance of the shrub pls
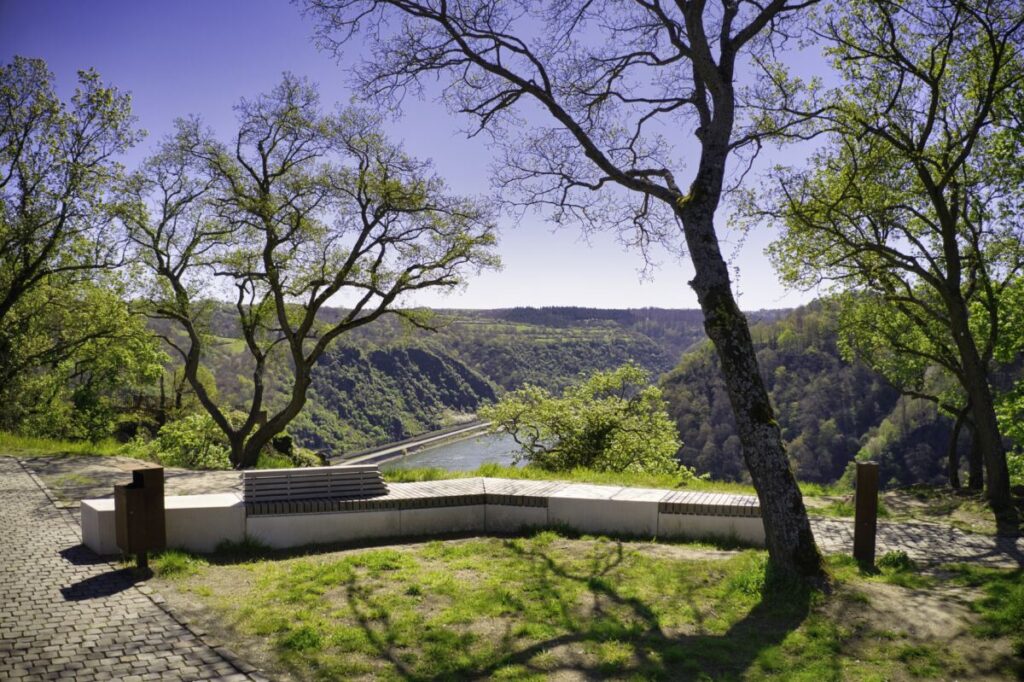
(193, 442)
(613, 421)
(1015, 463)
(897, 561)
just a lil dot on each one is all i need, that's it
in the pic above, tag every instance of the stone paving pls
(925, 543)
(65, 614)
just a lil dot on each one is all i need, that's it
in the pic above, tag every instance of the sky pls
(201, 56)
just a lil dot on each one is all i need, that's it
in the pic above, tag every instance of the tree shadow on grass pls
(594, 615)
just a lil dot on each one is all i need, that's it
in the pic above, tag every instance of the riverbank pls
(403, 448)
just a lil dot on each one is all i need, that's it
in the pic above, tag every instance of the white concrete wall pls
(605, 509)
(747, 529)
(98, 531)
(441, 520)
(201, 522)
(295, 530)
(503, 518)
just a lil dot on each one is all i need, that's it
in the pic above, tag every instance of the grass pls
(527, 607)
(893, 568)
(174, 563)
(1002, 606)
(35, 446)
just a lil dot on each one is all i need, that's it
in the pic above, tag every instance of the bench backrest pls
(313, 483)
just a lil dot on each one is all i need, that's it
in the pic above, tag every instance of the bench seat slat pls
(311, 489)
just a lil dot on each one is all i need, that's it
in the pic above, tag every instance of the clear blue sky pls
(191, 56)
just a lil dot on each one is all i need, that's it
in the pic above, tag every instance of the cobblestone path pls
(925, 543)
(65, 614)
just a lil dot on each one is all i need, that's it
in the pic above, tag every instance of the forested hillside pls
(390, 379)
(367, 396)
(829, 409)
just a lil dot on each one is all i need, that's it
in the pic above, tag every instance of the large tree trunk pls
(788, 535)
(268, 428)
(238, 453)
(987, 440)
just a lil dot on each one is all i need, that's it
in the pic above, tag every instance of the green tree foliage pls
(909, 443)
(107, 359)
(613, 421)
(57, 166)
(192, 442)
(302, 207)
(68, 347)
(1010, 402)
(915, 197)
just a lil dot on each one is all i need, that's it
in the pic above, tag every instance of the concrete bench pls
(469, 505)
(195, 522)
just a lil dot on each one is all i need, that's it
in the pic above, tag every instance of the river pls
(462, 455)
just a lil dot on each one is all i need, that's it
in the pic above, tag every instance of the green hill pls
(390, 380)
(829, 409)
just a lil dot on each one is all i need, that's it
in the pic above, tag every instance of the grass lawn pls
(34, 446)
(550, 606)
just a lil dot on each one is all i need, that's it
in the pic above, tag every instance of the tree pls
(609, 77)
(1010, 400)
(79, 359)
(613, 421)
(302, 208)
(916, 356)
(58, 227)
(916, 195)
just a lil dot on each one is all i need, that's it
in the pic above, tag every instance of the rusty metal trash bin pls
(139, 518)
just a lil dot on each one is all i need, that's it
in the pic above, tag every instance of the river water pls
(462, 455)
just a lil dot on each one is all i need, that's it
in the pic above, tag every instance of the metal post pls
(865, 521)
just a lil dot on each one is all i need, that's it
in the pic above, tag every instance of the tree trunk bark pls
(788, 536)
(953, 454)
(986, 428)
(268, 428)
(238, 453)
(975, 467)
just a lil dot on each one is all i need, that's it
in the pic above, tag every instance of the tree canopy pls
(612, 421)
(915, 197)
(302, 208)
(58, 214)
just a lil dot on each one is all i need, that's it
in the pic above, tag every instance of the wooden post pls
(865, 521)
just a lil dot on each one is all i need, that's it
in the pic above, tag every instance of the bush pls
(193, 442)
(897, 561)
(1015, 463)
(613, 421)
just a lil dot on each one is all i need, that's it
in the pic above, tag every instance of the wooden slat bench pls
(312, 489)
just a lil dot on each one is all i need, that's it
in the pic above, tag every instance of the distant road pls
(384, 453)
